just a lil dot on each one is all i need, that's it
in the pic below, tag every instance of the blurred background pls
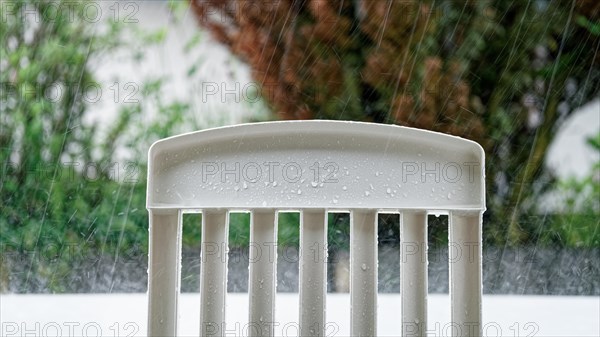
(87, 86)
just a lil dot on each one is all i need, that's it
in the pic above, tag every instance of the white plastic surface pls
(315, 167)
(316, 164)
(125, 315)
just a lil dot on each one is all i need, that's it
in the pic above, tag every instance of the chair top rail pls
(316, 164)
(436, 212)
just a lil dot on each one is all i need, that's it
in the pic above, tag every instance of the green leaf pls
(592, 27)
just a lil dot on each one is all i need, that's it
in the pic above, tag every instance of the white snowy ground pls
(125, 315)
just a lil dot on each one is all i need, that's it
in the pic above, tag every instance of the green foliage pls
(192, 230)
(520, 58)
(578, 225)
(64, 194)
(288, 229)
(591, 26)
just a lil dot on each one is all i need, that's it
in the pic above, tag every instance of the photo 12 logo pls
(91, 92)
(68, 329)
(329, 172)
(269, 172)
(263, 328)
(127, 172)
(70, 11)
(488, 329)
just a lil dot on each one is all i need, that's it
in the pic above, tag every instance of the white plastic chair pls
(315, 167)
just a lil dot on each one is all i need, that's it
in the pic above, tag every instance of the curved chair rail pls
(316, 164)
(315, 167)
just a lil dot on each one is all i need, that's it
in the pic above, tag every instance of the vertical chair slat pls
(363, 272)
(313, 276)
(413, 272)
(213, 271)
(263, 272)
(164, 272)
(465, 272)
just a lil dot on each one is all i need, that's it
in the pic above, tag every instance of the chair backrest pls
(315, 167)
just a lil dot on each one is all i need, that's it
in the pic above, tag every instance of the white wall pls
(118, 73)
(569, 155)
